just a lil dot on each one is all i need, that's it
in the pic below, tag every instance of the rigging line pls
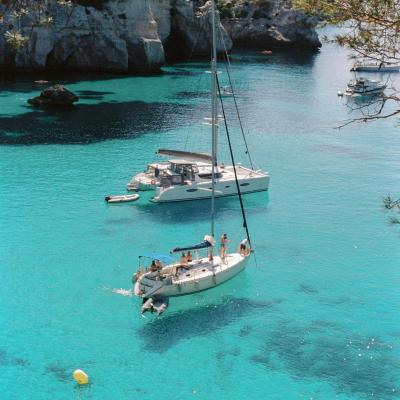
(228, 68)
(233, 164)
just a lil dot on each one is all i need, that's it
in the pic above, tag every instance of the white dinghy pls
(121, 199)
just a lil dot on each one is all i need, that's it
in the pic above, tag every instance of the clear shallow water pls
(317, 317)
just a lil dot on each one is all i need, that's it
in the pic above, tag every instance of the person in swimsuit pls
(223, 243)
(183, 264)
(243, 250)
(153, 266)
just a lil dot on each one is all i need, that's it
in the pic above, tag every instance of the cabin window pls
(209, 176)
(191, 190)
(244, 184)
(177, 180)
(227, 186)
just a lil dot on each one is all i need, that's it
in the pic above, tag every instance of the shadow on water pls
(307, 289)
(165, 332)
(323, 351)
(92, 94)
(9, 360)
(89, 123)
(276, 58)
(192, 95)
(183, 212)
(61, 373)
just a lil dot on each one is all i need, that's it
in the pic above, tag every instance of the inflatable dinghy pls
(157, 304)
(121, 199)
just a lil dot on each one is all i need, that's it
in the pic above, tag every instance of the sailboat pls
(201, 271)
(187, 176)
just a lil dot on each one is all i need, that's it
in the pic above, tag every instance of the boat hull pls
(203, 276)
(121, 199)
(371, 92)
(366, 68)
(198, 191)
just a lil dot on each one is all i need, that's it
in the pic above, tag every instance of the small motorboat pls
(41, 82)
(266, 52)
(364, 87)
(157, 304)
(375, 66)
(121, 199)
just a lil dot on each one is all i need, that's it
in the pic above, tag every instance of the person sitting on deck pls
(243, 250)
(155, 270)
(159, 265)
(183, 264)
(223, 243)
(153, 266)
(189, 257)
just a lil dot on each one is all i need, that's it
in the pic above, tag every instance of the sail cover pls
(202, 245)
(185, 154)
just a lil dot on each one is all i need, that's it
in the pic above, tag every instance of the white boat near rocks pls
(375, 66)
(364, 87)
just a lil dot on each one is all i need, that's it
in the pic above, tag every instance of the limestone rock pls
(136, 35)
(121, 35)
(56, 95)
(266, 24)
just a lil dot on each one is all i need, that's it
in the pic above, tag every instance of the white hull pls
(365, 92)
(202, 275)
(364, 87)
(375, 68)
(122, 199)
(249, 182)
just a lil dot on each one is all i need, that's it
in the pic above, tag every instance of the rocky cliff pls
(268, 24)
(138, 35)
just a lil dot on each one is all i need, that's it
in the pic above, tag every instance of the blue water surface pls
(315, 314)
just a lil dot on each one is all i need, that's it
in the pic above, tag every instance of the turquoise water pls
(316, 317)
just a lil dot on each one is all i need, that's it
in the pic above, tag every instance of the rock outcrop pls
(55, 96)
(138, 35)
(268, 24)
(118, 35)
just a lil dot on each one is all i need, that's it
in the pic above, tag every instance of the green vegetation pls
(372, 26)
(226, 10)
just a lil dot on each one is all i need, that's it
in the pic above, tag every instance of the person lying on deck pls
(183, 264)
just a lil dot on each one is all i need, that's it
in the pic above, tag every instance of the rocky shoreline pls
(140, 36)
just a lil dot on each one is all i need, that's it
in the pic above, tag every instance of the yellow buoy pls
(80, 377)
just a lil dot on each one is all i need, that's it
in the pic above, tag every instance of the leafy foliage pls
(372, 26)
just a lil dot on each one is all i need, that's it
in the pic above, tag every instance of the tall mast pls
(214, 117)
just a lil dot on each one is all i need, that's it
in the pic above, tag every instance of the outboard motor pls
(157, 304)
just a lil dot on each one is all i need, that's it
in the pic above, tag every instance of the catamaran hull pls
(203, 190)
(196, 280)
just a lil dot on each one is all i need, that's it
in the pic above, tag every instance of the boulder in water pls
(56, 95)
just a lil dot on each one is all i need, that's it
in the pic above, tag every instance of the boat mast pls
(214, 122)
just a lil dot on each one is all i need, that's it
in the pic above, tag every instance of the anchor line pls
(234, 165)
(228, 69)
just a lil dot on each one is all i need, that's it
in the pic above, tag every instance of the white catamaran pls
(187, 176)
(196, 273)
